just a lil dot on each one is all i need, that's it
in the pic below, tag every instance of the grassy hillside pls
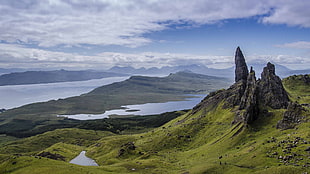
(203, 141)
(298, 87)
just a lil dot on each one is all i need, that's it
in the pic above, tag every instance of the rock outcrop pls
(248, 94)
(272, 92)
(53, 156)
(291, 117)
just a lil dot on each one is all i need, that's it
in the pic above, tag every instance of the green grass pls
(4, 139)
(40, 142)
(200, 142)
(297, 88)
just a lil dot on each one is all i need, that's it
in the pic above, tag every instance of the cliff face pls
(248, 94)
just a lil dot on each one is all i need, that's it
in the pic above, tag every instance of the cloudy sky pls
(98, 34)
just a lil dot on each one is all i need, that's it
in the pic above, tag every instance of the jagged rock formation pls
(253, 93)
(291, 116)
(248, 94)
(272, 92)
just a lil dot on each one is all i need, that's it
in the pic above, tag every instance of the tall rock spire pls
(241, 71)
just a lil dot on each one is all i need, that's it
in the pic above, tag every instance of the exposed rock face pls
(241, 71)
(291, 116)
(249, 100)
(247, 94)
(53, 156)
(272, 92)
(234, 94)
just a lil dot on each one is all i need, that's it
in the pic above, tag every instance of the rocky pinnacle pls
(241, 71)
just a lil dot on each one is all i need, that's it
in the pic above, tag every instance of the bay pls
(17, 95)
(142, 109)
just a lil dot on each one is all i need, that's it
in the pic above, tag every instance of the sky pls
(100, 34)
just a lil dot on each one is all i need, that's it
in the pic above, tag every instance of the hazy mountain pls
(281, 70)
(35, 77)
(199, 69)
(10, 70)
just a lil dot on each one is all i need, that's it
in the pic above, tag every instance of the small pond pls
(83, 160)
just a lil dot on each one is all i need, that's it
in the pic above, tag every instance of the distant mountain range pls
(35, 77)
(20, 76)
(281, 70)
(199, 69)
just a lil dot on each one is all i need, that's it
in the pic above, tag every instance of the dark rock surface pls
(249, 100)
(306, 78)
(126, 148)
(53, 156)
(272, 92)
(291, 116)
(241, 71)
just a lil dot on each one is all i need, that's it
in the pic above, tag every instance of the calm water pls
(83, 160)
(142, 109)
(17, 95)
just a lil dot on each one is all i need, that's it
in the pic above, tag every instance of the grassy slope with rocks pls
(196, 142)
(298, 87)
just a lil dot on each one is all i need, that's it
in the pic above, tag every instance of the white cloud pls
(109, 22)
(69, 23)
(13, 56)
(289, 12)
(298, 45)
